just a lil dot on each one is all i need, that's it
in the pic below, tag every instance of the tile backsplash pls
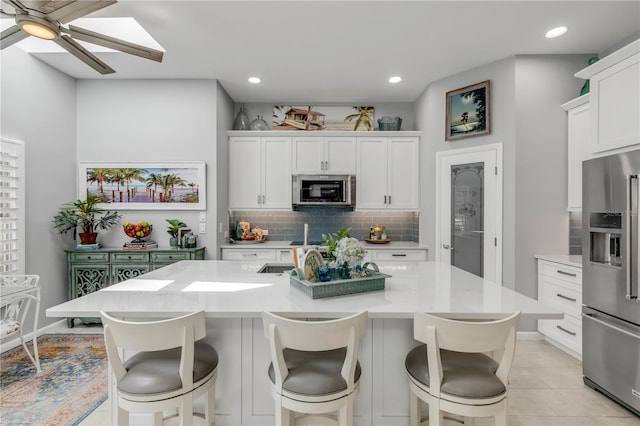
(575, 233)
(289, 225)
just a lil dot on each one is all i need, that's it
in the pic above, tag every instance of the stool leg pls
(345, 414)
(283, 415)
(123, 417)
(435, 415)
(210, 405)
(414, 413)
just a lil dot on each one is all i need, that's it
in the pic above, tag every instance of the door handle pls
(447, 247)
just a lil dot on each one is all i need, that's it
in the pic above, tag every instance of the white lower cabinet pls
(560, 286)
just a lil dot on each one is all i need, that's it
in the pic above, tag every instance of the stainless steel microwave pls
(323, 191)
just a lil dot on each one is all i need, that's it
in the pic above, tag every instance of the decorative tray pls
(378, 241)
(375, 280)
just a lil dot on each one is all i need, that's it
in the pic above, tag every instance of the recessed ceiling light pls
(555, 32)
(254, 80)
(395, 79)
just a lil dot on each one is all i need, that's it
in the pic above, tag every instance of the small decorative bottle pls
(383, 233)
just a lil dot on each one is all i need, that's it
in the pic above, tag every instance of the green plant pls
(174, 227)
(86, 215)
(332, 242)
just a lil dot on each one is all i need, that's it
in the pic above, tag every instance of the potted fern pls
(85, 218)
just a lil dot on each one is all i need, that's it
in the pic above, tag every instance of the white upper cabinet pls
(615, 99)
(259, 173)
(387, 173)
(578, 147)
(324, 155)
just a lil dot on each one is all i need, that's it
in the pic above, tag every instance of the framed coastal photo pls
(169, 185)
(310, 118)
(468, 111)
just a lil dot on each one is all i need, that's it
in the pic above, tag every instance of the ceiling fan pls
(44, 19)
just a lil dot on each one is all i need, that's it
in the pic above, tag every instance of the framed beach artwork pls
(169, 185)
(308, 118)
(468, 112)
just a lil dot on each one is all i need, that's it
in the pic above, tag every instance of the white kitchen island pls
(233, 297)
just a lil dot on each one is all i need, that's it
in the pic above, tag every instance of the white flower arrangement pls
(350, 251)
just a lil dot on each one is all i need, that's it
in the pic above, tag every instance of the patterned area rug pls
(72, 384)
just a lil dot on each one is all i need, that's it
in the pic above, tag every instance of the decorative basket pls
(338, 287)
(389, 124)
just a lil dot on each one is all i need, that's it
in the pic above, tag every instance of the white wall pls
(38, 106)
(225, 119)
(152, 120)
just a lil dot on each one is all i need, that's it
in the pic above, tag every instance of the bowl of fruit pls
(137, 230)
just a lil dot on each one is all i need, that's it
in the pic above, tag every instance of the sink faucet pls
(306, 234)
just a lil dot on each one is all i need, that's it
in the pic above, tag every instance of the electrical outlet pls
(203, 228)
(203, 217)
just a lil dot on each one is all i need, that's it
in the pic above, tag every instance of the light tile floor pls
(546, 389)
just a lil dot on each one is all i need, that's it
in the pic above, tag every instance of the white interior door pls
(469, 210)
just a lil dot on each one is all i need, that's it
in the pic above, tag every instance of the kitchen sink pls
(275, 268)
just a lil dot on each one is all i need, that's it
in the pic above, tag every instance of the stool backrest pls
(314, 336)
(148, 336)
(470, 336)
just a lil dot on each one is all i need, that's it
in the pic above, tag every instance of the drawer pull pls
(170, 257)
(88, 257)
(399, 254)
(570, 274)
(249, 254)
(562, 296)
(128, 257)
(559, 327)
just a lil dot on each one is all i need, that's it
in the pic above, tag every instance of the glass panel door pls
(467, 217)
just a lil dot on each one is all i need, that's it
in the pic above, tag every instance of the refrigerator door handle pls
(633, 235)
(610, 325)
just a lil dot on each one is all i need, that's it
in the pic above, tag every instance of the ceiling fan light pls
(38, 27)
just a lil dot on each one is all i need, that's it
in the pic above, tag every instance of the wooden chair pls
(452, 372)
(314, 369)
(16, 294)
(170, 369)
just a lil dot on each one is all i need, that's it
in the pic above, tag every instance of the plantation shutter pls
(12, 214)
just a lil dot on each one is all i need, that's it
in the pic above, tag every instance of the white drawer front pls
(284, 255)
(561, 295)
(567, 332)
(561, 272)
(247, 254)
(398, 255)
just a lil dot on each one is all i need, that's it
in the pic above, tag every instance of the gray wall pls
(526, 93)
(154, 120)
(39, 108)
(224, 122)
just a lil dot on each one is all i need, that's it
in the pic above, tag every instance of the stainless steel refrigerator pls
(611, 253)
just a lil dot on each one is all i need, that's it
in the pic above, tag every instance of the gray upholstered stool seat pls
(468, 375)
(314, 373)
(157, 372)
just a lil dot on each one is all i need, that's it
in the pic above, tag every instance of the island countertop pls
(234, 289)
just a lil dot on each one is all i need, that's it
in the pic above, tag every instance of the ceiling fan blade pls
(114, 43)
(17, 5)
(65, 11)
(11, 35)
(83, 54)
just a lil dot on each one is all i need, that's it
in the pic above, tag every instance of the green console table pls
(91, 270)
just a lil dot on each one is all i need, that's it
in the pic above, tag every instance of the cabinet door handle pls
(385, 199)
(389, 199)
(399, 255)
(566, 273)
(566, 297)
(259, 199)
(559, 327)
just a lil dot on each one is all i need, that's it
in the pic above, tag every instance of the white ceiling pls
(344, 51)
